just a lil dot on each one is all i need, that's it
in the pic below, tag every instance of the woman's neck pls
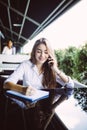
(39, 66)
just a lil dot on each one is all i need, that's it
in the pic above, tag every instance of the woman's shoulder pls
(5, 47)
(27, 62)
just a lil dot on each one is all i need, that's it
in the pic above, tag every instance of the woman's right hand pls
(30, 91)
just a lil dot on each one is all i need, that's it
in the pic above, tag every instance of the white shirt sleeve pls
(16, 75)
(7, 51)
(69, 84)
(4, 50)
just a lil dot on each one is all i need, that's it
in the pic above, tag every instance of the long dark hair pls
(49, 76)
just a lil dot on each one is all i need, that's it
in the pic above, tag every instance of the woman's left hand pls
(52, 63)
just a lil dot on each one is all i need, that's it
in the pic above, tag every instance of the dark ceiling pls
(21, 20)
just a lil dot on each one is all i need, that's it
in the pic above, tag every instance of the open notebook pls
(40, 94)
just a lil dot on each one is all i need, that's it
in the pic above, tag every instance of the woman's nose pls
(42, 54)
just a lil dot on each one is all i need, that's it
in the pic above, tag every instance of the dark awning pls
(22, 20)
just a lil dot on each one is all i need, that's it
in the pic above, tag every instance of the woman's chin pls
(41, 62)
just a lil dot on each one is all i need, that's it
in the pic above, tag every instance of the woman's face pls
(10, 44)
(41, 54)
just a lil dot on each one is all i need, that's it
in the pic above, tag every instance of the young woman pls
(8, 48)
(41, 72)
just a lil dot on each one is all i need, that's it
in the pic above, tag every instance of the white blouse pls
(28, 72)
(7, 51)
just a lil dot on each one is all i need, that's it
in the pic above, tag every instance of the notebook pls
(40, 94)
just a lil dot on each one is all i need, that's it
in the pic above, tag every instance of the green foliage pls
(73, 61)
(59, 56)
(68, 62)
(82, 57)
(81, 96)
(82, 62)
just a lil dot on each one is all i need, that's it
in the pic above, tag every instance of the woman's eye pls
(46, 52)
(38, 51)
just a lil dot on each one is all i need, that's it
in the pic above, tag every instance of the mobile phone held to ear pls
(49, 60)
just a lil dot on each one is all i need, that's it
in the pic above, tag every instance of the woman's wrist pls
(24, 89)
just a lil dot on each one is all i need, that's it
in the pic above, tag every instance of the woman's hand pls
(30, 91)
(53, 63)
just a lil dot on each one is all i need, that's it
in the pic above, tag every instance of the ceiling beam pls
(51, 14)
(3, 27)
(15, 33)
(9, 17)
(52, 18)
(16, 11)
(44, 24)
(23, 21)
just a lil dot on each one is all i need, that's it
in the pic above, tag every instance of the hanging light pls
(17, 25)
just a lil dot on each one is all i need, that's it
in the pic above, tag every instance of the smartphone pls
(49, 59)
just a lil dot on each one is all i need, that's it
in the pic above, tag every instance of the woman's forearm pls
(15, 87)
(63, 76)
